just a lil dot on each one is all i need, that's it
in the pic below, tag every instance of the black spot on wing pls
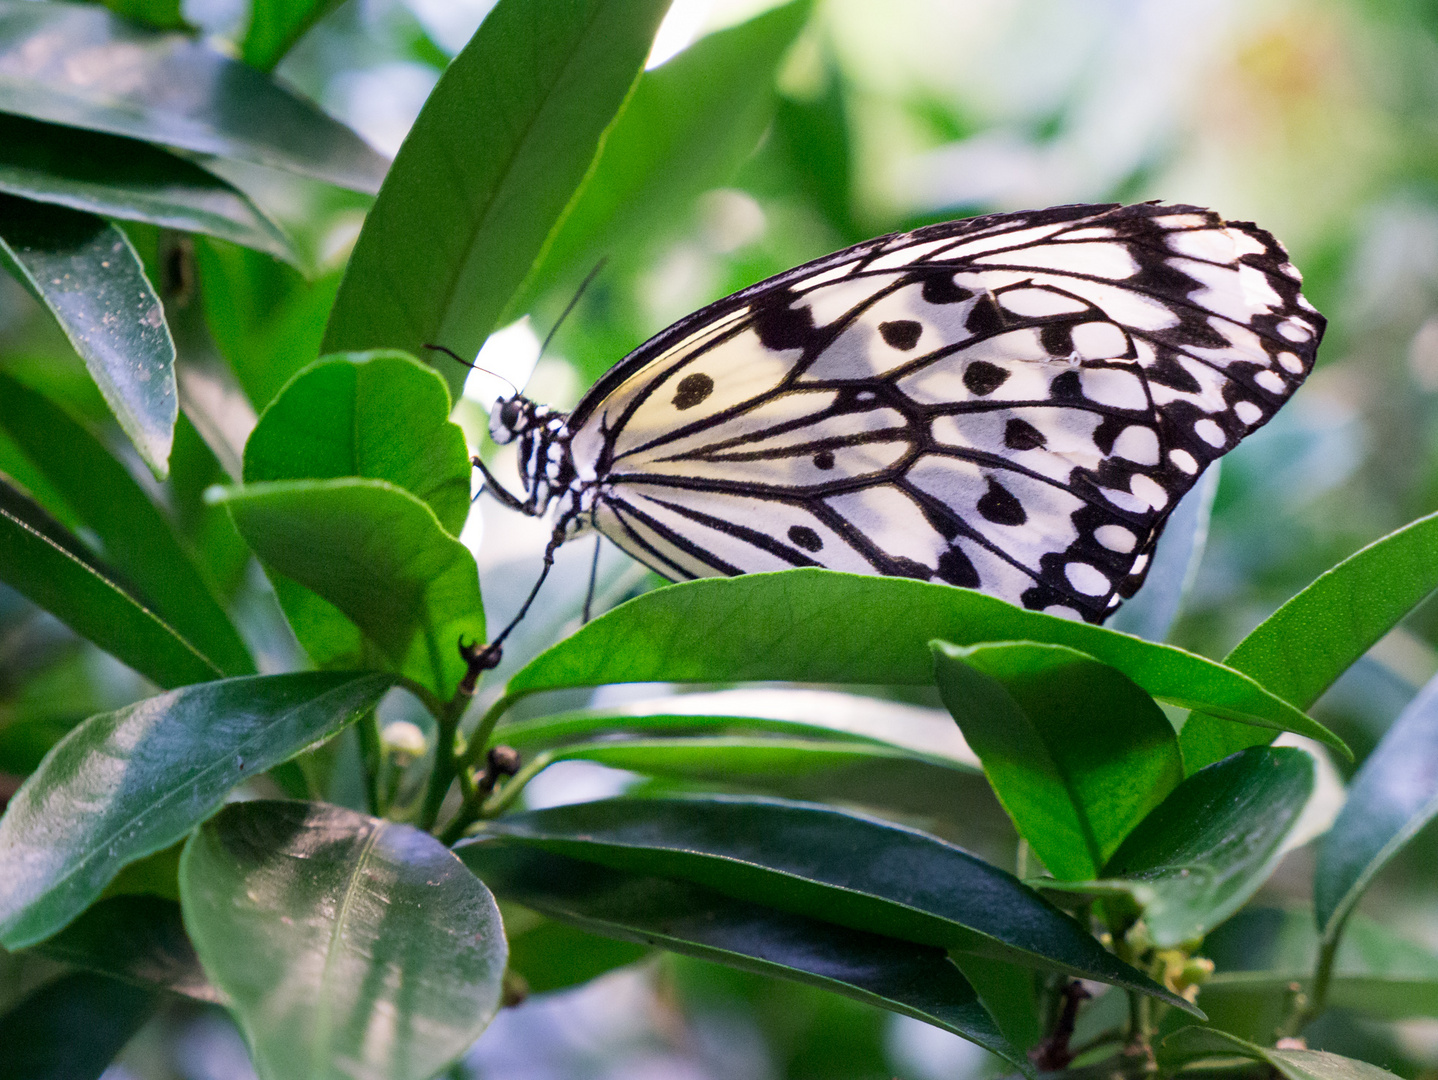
(942, 290)
(692, 390)
(901, 333)
(780, 326)
(1066, 387)
(955, 568)
(805, 537)
(983, 378)
(1021, 435)
(1057, 339)
(824, 459)
(985, 319)
(1000, 506)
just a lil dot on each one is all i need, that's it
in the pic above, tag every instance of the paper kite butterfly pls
(1013, 403)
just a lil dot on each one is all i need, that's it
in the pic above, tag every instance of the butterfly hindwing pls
(1013, 403)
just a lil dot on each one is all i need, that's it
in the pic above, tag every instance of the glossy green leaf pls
(786, 626)
(79, 65)
(826, 863)
(128, 783)
(494, 158)
(554, 956)
(382, 415)
(688, 126)
(377, 554)
(1393, 796)
(138, 940)
(275, 25)
(72, 1028)
(1077, 753)
(1209, 846)
(123, 178)
(914, 980)
(41, 559)
(138, 539)
(1299, 650)
(1261, 952)
(1198, 1043)
(88, 276)
(342, 938)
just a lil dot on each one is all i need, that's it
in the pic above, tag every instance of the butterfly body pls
(1012, 403)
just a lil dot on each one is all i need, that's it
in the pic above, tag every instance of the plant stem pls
(477, 807)
(1310, 1007)
(445, 759)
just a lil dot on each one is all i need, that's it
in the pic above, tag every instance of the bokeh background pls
(1316, 118)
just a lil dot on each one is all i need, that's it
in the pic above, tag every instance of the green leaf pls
(1391, 798)
(1007, 991)
(380, 415)
(275, 25)
(128, 783)
(138, 538)
(688, 126)
(123, 178)
(825, 863)
(1077, 753)
(1261, 952)
(49, 565)
(161, 14)
(914, 980)
(1209, 846)
(342, 939)
(72, 1028)
(554, 956)
(138, 940)
(782, 626)
(1299, 650)
(1199, 1043)
(486, 172)
(377, 554)
(79, 65)
(88, 276)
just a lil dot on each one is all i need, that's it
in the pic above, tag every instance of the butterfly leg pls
(489, 657)
(593, 576)
(498, 490)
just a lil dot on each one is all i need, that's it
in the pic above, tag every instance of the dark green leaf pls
(1007, 991)
(123, 178)
(553, 956)
(1393, 796)
(1206, 849)
(381, 415)
(1077, 753)
(128, 783)
(89, 277)
(914, 980)
(49, 565)
(72, 1028)
(375, 553)
(1299, 650)
(497, 153)
(137, 939)
(1261, 952)
(782, 626)
(688, 126)
(138, 538)
(275, 25)
(341, 938)
(162, 14)
(78, 65)
(825, 863)
(1198, 1043)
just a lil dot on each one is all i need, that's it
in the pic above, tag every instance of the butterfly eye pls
(509, 414)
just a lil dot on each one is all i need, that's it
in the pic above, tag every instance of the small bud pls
(504, 760)
(403, 741)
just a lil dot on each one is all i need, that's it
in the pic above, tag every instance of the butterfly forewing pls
(1012, 403)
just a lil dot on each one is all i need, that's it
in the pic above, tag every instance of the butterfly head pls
(543, 434)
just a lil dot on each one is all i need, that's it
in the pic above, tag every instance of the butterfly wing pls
(1012, 403)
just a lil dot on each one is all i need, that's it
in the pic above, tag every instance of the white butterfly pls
(1013, 403)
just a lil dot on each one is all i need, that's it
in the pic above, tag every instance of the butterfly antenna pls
(472, 366)
(578, 295)
(593, 576)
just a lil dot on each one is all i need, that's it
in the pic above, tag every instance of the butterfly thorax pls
(546, 466)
